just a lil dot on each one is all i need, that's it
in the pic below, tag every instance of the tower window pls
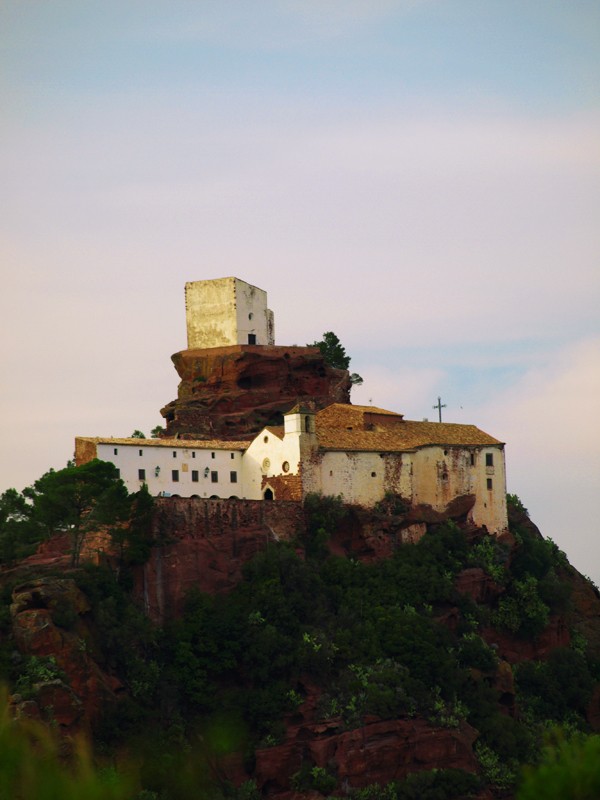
(489, 459)
(116, 451)
(140, 452)
(174, 453)
(472, 459)
(489, 484)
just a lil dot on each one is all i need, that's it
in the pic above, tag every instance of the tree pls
(137, 435)
(157, 432)
(15, 524)
(77, 500)
(335, 355)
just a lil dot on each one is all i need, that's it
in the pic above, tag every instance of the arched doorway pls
(268, 494)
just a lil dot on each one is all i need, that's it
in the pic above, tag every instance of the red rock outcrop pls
(379, 751)
(78, 699)
(228, 392)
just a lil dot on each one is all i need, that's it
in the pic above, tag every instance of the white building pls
(358, 452)
(227, 311)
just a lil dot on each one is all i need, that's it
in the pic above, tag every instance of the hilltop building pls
(359, 452)
(227, 311)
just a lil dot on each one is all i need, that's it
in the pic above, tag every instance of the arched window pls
(268, 495)
(307, 424)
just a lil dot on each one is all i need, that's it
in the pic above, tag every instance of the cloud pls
(549, 420)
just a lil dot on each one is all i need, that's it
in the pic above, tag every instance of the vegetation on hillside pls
(375, 638)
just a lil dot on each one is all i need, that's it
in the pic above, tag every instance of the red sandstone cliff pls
(237, 390)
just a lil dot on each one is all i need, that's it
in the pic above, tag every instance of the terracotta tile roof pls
(346, 427)
(190, 444)
(276, 430)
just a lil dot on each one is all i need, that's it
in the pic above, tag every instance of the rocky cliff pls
(228, 392)
(205, 545)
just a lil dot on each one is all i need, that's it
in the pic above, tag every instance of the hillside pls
(331, 651)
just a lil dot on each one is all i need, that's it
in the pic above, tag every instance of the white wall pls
(128, 460)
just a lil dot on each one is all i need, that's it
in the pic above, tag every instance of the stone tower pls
(225, 312)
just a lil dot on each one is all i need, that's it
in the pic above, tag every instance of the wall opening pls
(268, 494)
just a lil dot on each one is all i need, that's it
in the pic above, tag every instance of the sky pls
(419, 176)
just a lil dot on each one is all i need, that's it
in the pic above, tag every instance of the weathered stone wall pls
(205, 544)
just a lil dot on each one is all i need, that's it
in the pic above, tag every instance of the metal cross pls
(439, 407)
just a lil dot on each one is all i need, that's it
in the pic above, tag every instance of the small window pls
(142, 474)
(194, 476)
(116, 451)
(472, 459)
(118, 473)
(174, 453)
(214, 476)
(140, 452)
(266, 439)
(489, 484)
(373, 474)
(307, 424)
(232, 455)
(212, 455)
(175, 475)
(251, 338)
(193, 454)
(285, 466)
(489, 459)
(250, 315)
(233, 476)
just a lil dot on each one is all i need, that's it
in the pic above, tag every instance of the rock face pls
(379, 751)
(77, 698)
(228, 392)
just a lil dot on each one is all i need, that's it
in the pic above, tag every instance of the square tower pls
(227, 311)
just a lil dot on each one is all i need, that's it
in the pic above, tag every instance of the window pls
(307, 424)
(214, 476)
(266, 439)
(174, 453)
(140, 452)
(194, 476)
(142, 474)
(285, 466)
(251, 338)
(233, 476)
(116, 451)
(472, 459)
(489, 459)
(118, 473)
(193, 454)
(250, 315)
(373, 474)
(175, 475)
(212, 455)
(232, 455)
(489, 484)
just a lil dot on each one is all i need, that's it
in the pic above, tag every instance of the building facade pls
(360, 453)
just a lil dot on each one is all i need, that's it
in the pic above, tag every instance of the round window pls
(266, 464)
(285, 466)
